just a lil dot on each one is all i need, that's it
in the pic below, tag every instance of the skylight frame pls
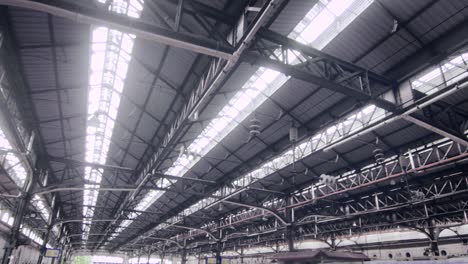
(204, 142)
(446, 73)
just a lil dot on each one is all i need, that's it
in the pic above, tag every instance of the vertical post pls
(184, 253)
(178, 18)
(149, 254)
(50, 225)
(12, 243)
(218, 252)
(162, 253)
(61, 242)
(434, 237)
(242, 254)
(290, 227)
(139, 256)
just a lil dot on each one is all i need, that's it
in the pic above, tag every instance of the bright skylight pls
(450, 72)
(320, 25)
(13, 165)
(106, 259)
(110, 56)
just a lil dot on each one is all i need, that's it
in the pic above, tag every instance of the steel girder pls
(363, 216)
(332, 73)
(98, 16)
(306, 63)
(422, 159)
(331, 139)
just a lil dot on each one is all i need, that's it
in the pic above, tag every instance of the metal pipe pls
(197, 229)
(165, 239)
(62, 189)
(15, 196)
(93, 16)
(275, 214)
(81, 220)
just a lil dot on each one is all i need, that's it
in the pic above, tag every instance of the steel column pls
(12, 242)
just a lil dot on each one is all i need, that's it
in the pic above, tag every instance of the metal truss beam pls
(301, 74)
(274, 51)
(431, 157)
(97, 16)
(283, 41)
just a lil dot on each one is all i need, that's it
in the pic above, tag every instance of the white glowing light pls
(110, 56)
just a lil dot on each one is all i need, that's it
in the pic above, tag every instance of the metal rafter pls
(92, 15)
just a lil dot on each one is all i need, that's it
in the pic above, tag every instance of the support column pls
(149, 254)
(218, 252)
(434, 237)
(290, 227)
(242, 254)
(163, 251)
(50, 225)
(61, 244)
(184, 253)
(12, 243)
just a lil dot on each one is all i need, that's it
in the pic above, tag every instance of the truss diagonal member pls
(271, 211)
(96, 16)
(443, 131)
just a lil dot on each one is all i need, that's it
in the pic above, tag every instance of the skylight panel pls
(338, 7)
(317, 27)
(432, 80)
(110, 57)
(12, 163)
(264, 82)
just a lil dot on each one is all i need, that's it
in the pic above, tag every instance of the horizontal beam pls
(443, 131)
(89, 164)
(96, 16)
(185, 178)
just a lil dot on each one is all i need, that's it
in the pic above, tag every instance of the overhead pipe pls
(165, 239)
(62, 189)
(275, 214)
(196, 229)
(81, 220)
(14, 196)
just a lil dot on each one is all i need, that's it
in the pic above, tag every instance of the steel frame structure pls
(325, 212)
